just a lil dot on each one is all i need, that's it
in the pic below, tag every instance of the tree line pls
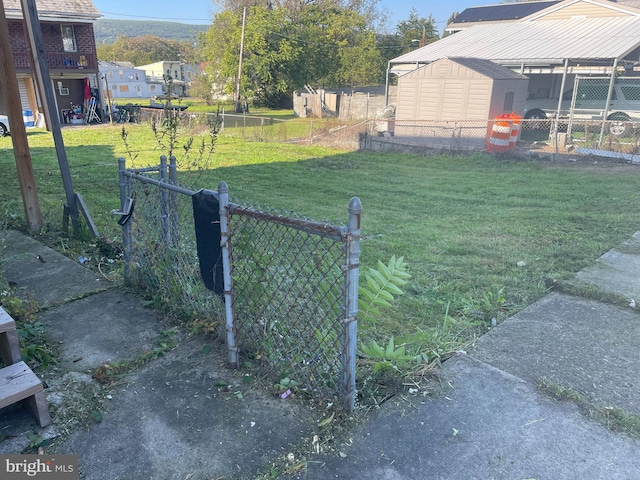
(287, 44)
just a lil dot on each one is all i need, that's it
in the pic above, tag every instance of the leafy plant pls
(488, 308)
(381, 285)
(285, 384)
(393, 357)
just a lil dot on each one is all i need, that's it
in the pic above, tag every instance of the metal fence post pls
(164, 203)
(223, 198)
(125, 193)
(173, 201)
(351, 304)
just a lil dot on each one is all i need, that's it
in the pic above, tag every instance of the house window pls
(124, 88)
(152, 88)
(137, 76)
(110, 74)
(68, 38)
(121, 74)
(508, 101)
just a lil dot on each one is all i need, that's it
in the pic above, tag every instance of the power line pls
(157, 18)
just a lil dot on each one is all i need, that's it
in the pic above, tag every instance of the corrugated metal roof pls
(589, 38)
(505, 11)
(629, 3)
(55, 8)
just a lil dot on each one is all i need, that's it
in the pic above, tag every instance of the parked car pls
(4, 125)
(590, 100)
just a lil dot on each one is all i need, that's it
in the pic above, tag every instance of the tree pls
(450, 20)
(417, 28)
(286, 49)
(415, 32)
(147, 49)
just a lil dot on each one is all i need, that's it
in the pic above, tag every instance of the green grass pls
(462, 223)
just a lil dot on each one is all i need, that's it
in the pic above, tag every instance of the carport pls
(551, 47)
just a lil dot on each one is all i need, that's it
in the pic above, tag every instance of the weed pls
(489, 308)
(615, 419)
(110, 372)
(393, 357)
(618, 420)
(381, 285)
(35, 349)
(557, 391)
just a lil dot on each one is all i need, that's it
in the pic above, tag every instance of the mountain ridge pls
(107, 30)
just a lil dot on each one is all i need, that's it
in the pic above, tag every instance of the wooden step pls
(9, 343)
(18, 382)
(6, 322)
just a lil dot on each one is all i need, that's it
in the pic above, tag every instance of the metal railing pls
(289, 302)
(57, 61)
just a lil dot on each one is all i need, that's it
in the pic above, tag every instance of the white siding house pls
(156, 73)
(123, 80)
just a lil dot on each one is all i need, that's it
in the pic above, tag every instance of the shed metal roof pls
(531, 41)
(487, 68)
(54, 9)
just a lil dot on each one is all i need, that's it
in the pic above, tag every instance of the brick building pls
(69, 42)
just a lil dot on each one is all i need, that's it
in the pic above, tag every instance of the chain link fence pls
(289, 300)
(159, 240)
(290, 282)
(545, 136)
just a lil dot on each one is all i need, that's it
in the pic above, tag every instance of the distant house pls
(67, 31)
(502, 13)
(123, 80)
(159, 72)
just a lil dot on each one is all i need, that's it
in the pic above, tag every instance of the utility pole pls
(21, 151)
(238, 100)
(30, 14)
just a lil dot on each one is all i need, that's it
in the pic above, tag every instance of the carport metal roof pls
(533, 42)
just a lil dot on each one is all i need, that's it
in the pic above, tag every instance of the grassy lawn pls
(483, 237)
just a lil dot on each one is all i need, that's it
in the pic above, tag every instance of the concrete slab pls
(489, 425)
(108, 326)
(589, 346)
(43, 274)
(174, 419)
(617, 270)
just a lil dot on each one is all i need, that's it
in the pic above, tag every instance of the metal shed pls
(457, 89)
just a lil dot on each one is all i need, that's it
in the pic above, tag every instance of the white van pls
(590, 100)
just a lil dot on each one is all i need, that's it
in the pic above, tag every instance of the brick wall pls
(17, 37)
(52, 37)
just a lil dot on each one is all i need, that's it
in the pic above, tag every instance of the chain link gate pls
(290, 284)
(604, 109)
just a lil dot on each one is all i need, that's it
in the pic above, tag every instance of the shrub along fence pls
(286, 286)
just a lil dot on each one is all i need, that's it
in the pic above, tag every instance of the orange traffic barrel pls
(515, 130)
(500, 134)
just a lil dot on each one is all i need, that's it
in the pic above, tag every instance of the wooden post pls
(32, 23)
(239, 80)
(21, 151)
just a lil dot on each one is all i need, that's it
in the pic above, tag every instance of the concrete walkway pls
(185, 416)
